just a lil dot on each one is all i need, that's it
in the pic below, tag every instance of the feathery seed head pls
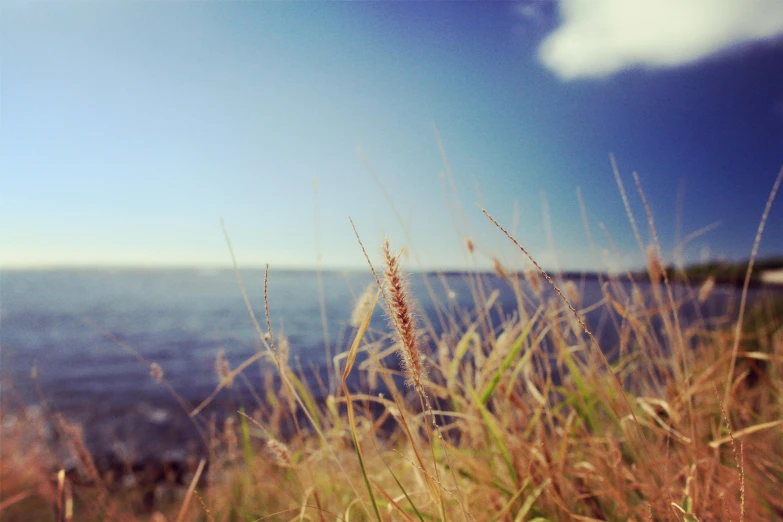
(156, 372)
(499, 269)
(654, 266)
(230, 436)
(222, 367)
(444, 355)
(284, 348)
(637, 297)
(279, 452)
(534, 282)
(706, 289)
(572, 292)
(362, 305)
(403, 319)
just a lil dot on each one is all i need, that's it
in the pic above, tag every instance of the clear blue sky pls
(127, 130)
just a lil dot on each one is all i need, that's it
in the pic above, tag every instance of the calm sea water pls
(57, 322)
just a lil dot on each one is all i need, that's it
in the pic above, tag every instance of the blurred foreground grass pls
(511, 420)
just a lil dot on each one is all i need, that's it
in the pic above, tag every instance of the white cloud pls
(600, 37)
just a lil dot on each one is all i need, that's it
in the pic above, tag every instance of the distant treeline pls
(722, 271)
(726, 272)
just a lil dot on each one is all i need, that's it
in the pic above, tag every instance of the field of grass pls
(522, 419)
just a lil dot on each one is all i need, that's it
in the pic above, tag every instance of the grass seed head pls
(499, 269)
(279, 452)
(706, 289)
(222, 368)
(534, 281)
(403, 319)
(284, 349)
(654, 266)
(572, 292)
(363, 305)
(156, 372)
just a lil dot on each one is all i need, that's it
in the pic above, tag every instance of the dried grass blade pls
(404, 492)
(349, 401)
(747, 431)
(393, 503)
(306, 398)
(239, 369)
(64, 506)
(745, 286)
(191, 489)
(460, 351)
(10, 501)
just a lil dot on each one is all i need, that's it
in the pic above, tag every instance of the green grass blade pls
(493, 431)
(246, 439)
(492, 384)
(460, 351)
(530, 500)
(502, 513)
(306, 398)
(413, 506)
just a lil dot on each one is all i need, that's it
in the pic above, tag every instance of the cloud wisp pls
(602, 37)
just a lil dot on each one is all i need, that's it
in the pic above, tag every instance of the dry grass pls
(525, 418)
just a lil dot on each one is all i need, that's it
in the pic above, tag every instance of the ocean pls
(64, 338)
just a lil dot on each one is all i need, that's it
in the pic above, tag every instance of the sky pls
(128, 130)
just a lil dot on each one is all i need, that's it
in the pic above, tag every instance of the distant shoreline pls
(762, 276)
(758, 280)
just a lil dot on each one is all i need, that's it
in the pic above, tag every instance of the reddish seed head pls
(402, 318)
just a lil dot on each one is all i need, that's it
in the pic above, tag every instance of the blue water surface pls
(70, 327)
